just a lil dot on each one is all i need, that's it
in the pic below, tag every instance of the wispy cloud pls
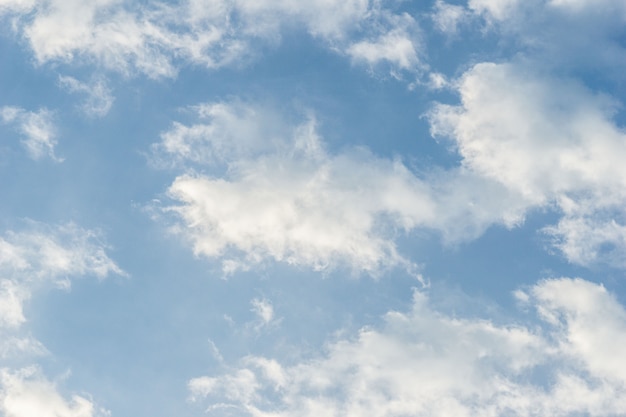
(44, 255)
(265, 314)
(99, 98)
(37, 129)
(31, 260)
(132, 38)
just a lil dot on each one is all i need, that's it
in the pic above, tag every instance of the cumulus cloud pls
(552, 142)
(285, 198)
(154, 40)
(257, 187)
(427, 363)
(37, 128)
(27, 393)
(532, 126)
(99, 98)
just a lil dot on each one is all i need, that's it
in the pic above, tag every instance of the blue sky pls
(324, 208)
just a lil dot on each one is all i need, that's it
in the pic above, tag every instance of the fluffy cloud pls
(536, 129)
(37, 128)
(312, 207)
(129, 37)
(426, 363)
(27, 393)
(550, 141)
(285, 197)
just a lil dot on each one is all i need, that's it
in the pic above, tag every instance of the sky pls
(324, 208)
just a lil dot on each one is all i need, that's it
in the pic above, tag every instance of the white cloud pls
(562, 35)
(27, 393)
(16, 6)
(54, 253)
(39, 257)
(156, 39)
(285, 198)
(14, 346)
(312, 207)
(398, 46)
(99, 99)
(448, 17)
(263, 309)
(426, 363)
(12, 297)
(265, 315)
(30, 260)
(593, 6)
(495, 9)
(591, 324)
(224, 132)
(551, 142)
(37, 128)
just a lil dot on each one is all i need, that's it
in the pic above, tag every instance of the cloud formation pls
(552, 142)
(27, 393)
(99, 98)
(322, 210)
(427, 363)
(285, 198)
(155, 39)
(37, 128)
(40, 257)
(30, 261)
